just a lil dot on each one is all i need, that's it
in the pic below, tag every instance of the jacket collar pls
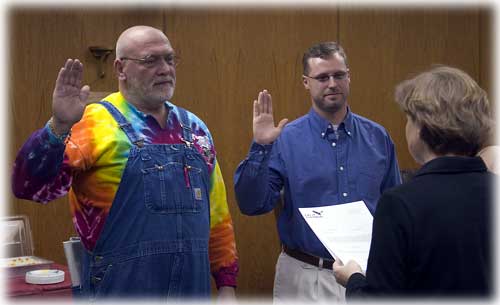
(452, 165)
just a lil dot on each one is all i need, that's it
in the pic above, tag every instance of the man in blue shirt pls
(326, 157)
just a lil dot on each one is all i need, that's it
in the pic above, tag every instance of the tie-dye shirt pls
(89, 167)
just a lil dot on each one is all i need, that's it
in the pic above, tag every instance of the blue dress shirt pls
(316, 166)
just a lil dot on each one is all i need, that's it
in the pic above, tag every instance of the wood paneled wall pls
(227, 56)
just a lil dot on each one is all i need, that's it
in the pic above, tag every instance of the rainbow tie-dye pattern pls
(93, 163)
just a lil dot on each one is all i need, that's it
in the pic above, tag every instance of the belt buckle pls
(320, 263)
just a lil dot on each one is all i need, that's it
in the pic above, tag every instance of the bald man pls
(145, 189)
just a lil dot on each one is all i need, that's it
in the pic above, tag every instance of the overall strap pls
(186, 129)
(123, 123)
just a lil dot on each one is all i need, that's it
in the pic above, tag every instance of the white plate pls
(44, 276)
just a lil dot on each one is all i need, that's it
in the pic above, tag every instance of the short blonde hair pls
(452, 109)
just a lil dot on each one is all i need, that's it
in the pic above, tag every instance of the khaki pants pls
(300, 282)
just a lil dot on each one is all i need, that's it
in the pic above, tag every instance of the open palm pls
(264, 131)
(69, 98)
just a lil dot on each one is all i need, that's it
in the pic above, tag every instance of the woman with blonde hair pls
(432, 236)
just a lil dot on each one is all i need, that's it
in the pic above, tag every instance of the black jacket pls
(432, 236)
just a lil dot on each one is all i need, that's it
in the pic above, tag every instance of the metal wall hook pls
(101, 54)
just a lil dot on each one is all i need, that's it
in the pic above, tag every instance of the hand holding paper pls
(345, 230)
(343, 273)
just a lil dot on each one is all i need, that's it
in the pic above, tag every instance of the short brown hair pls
(322, 50)
(452, 109)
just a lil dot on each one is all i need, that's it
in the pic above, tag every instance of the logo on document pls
(314, 214)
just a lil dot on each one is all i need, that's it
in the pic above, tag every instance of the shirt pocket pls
(174, 187)
(368, 184)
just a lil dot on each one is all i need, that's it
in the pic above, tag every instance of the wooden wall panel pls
(486, 51)
(387, 46)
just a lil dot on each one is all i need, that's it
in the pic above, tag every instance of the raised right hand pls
(264, 131)
(69, 98)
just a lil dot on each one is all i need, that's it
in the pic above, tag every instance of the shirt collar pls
(121, 103)
(323, 126)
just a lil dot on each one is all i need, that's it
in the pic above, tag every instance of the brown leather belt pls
(310, 259)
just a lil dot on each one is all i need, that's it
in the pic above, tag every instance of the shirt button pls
(322, 134)
(344, 194)
(349, 133)
(334, 144)
(341, 168)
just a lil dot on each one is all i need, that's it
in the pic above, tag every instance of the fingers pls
(259, 103)
(336, 265)
(84, 94)
(65, 71)
(256, 110)
(282, 124)
(269, 102)
(76, 73)
(71, 74)
(60, 77)
(264, 102)
(354, 266)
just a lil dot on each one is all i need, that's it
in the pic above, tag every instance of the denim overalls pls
(155, 239)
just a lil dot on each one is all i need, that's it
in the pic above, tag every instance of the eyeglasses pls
(323, 78)
(151, 61)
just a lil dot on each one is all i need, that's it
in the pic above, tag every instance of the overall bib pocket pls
(174, 187)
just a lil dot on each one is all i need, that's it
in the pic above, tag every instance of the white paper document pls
(345, 230)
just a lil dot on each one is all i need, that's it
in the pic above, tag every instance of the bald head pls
(145, 67)
(135, 38)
